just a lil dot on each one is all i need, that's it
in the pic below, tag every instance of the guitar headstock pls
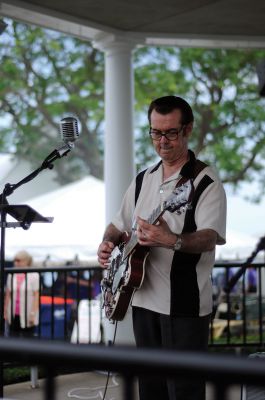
(180, 199)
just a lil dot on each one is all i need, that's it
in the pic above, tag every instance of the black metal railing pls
(239, 314)
(62, 290)
(219, 370)
(69, 298)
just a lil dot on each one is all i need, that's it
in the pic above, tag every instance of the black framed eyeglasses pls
(170, 134)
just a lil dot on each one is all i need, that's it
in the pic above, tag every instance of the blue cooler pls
(56, 315)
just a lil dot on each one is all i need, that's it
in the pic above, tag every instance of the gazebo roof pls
(205, 23)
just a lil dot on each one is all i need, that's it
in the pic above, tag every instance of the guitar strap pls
(138, 184)
(191, 169)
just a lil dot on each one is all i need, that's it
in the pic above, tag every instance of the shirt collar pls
(188, 169)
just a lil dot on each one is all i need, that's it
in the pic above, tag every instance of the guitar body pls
(123, 278)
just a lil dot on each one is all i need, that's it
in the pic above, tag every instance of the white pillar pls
(119, 166)
(119, 102)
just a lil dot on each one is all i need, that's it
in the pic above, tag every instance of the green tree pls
(222, 87)
(45, 76)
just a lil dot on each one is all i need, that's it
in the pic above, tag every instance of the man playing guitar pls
(172, 305)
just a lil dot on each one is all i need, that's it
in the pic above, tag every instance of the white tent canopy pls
(79, 222)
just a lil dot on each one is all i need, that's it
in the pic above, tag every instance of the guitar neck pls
(152, 219)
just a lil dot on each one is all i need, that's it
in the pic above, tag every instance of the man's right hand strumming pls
(104, 252)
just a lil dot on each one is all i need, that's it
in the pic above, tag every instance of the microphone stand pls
(47, 163)
(27, 219)
(25, 215)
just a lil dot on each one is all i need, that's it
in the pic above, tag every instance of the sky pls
(246, 217)
(245, 224)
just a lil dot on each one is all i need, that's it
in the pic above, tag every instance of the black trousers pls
(155, 330)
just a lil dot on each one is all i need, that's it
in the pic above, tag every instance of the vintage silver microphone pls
(69, 129)
(69, 134)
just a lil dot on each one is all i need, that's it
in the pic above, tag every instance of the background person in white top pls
(22, 290)
(172, 309)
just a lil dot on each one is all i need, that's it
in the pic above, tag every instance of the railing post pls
(49, 393)
(128, 387)
(2, 290)
(220, 391)
(34, 377)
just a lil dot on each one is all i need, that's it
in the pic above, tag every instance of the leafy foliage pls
(222, 88)
(45, 76)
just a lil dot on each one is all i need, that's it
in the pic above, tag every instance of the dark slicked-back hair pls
(166, 104)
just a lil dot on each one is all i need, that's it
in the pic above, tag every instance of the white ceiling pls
(206, 23)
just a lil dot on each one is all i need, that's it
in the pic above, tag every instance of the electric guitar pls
(126, 269)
